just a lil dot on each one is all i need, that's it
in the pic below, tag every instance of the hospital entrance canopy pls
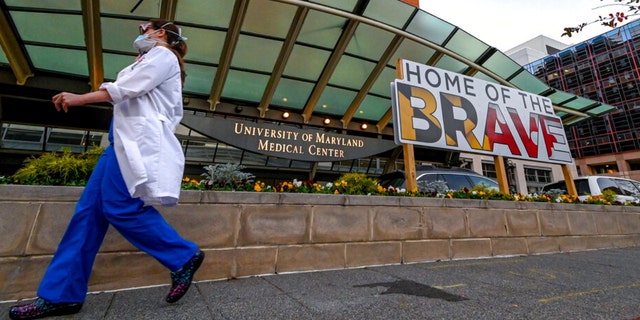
(253, 58)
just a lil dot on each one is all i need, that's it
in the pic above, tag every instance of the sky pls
(505, 24)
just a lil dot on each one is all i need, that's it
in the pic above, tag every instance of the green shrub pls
(609, 195)
(58, 168)
(356, 183)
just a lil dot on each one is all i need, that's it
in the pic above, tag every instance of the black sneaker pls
(181, 279)
(41, 308)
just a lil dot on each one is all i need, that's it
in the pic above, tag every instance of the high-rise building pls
(605, 68)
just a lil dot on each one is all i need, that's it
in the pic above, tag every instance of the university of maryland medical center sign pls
(445, 110)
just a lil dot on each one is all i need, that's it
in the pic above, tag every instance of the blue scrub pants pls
(105, 201)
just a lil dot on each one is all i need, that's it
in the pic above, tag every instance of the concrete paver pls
(602, 284)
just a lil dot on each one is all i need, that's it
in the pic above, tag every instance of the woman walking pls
(142, 167)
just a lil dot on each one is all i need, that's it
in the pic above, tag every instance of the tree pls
(612, 19)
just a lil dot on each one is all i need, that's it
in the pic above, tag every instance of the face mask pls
(143, 43)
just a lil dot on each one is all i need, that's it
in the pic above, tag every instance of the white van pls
(625, 189)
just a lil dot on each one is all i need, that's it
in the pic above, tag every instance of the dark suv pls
(455, 178)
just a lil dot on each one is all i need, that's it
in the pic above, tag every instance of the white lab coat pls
(147, 108)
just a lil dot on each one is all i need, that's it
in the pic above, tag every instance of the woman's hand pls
(64, 100)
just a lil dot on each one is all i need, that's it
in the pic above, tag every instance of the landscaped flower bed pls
(68, 169)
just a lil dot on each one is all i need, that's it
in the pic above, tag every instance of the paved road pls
(603, 284)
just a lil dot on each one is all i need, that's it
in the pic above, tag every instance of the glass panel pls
(279, 15)
(199, 78)
(411, 51)
(149, 8)
(118, 34)
(113, 63)
(321, 29)
(47, 4)
(381, 86)
(527, 82)
(3, 58)
(215, 13)
(245, 56)
(351, 72)
(300, 164)
(245, 86)
(334, 101)
(379, 10)
(62, 60)
(601, 109)
(466, 45)
(292, 93)
(430, 27)
(22, 137)
(227, 154)
(346, 5)
(369, 42)
(451, 64)
(372, 108)
(501, 65)
(62, 138)
(324, 165)
(342, 166)
(278, 162)
(94, 139)
(485, 77)
(306, 62)
(204, 45)
(560, 97)
(578, 104)
(35, 26)
(253, 159)
(361, 165)
(200, 150)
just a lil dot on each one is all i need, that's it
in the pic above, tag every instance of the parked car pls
(625, 189)
(455, 178)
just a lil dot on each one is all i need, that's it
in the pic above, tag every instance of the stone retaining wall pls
(249, 233)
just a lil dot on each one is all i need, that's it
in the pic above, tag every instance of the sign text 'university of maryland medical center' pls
(441, 109)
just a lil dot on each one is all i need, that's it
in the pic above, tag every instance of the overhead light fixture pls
(364, 126)
(326, 121)
(238, 109)
(285, 115)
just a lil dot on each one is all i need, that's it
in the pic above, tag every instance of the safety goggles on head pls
(146, 26)
(143, 27)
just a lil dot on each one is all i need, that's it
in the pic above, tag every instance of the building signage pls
(441, 109)
(286, 141)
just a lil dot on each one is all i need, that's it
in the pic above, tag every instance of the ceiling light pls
(285, 115)
(326, 121)
(364, 126)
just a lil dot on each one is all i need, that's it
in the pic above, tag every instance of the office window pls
(536, 178)
(489, 169)
(537, 175)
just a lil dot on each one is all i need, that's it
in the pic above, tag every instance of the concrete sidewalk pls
(603, 284)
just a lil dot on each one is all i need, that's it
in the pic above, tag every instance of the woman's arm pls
(64, 100)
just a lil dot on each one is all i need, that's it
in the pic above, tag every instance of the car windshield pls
(608, 184)
(476, 180)
(457, 181)
(628, 188)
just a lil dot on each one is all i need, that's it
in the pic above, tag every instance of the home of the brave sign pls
(436, 108)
